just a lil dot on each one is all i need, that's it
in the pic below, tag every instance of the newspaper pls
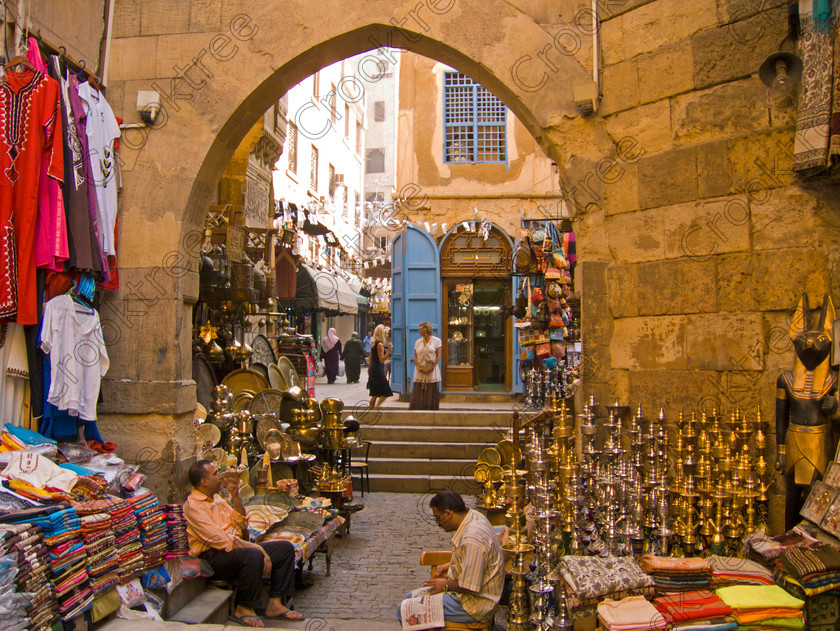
(422, 611)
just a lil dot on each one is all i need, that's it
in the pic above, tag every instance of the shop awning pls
(324, 291)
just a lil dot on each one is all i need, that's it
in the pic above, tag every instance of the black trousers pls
(245, 566)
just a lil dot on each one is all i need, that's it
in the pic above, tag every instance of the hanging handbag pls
(525, 258)
(537, 296)
(526, 353)
(543, 318)
(521, 308)
(543, 350)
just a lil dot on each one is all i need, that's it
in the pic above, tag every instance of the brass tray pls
(276, 378)
(209, 434)
(263, 352)
(490, 456)
(266, 402)
(242, 400)
(287, 369)
(245, 379)
(480, 473)
(506, 451)
(260, 368)
(265, 424)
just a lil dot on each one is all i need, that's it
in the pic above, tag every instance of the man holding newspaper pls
(469, 587)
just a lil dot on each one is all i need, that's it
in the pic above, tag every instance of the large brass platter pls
(276, 378)
(264, 424)
(287, 369)
(245, 379)
(242, 399)
(506, 451)
(490, 456)
(480, 473)
(266, 402)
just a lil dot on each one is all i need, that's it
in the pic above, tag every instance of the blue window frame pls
(475, 122)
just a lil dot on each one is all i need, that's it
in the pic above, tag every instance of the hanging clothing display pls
(30, 131)
(77, 106)
(51, 250)
(102, 130)
(15, 375)
(72, 335)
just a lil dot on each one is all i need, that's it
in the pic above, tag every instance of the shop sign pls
(235, 244)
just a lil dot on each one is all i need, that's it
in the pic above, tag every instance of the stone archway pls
(217, 73)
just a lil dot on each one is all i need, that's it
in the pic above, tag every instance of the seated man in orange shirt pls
(218, 534)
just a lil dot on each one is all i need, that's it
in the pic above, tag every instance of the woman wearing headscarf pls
(330, 353)
(352, 356)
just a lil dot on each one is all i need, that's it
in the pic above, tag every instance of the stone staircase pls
(419, 451)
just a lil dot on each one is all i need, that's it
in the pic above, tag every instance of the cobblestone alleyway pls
(378, 563)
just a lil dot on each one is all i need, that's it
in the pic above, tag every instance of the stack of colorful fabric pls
(763, 607)
(151, 521)
(813, 570)
(630, 614)
(102, 563)
(177, 544)
(588, 580)
(13, 602)
(126, 540)
(62, 531)
(675, 575)
(735, 571)
(33, 569)
(695, 611)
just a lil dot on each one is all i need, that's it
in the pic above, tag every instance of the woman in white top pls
(425, 393)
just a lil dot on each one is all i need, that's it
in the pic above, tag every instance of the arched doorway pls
(476, 288)
(208, 106)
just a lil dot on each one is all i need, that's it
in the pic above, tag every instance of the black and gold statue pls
(806, 407)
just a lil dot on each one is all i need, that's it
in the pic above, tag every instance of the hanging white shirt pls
(102, 130)
(72, 335)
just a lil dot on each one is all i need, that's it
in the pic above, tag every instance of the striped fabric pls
(478, 565)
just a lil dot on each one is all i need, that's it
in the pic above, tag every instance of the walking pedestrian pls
(425, 391)
(330, 353)
(352, 355)
(377, 384)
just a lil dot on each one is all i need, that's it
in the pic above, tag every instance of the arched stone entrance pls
(217, 71)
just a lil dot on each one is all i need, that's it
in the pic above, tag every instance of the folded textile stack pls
(15, 576)
(766, 550)
(62, 532)
(101, 553)
(810, 571)
(630, 614)
(33, 569)
(696, 611)
(177, 544)
(126, 538)
(673, 575)
(763, 607)
(152, 525)
(735, 571)
(588, 580)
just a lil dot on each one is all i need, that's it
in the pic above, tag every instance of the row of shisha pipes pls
(633, 495)
(642, 492)
(541, 385)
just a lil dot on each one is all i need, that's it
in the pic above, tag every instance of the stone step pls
(212, 606)
(438, 433)
(426, 449)
(422, 484)
(452, 418)
(186, 591)
(422, 466)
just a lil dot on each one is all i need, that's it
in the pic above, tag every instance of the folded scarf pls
(745, 597)
(650, 563)
(808, 563)
(697, 605)
(591, 577)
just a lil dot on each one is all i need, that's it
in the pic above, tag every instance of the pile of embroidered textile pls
(27, 600)
(763, 607)
(634, 613)
(127, 540)
(812, 571)
(152, 524)
(695, 611)
(177, 544)
(101, 553)
(673, 575)
(62, 533)
(588, 580)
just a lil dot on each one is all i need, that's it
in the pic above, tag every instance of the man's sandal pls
(242, 620)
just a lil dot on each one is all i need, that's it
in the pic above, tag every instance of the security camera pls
(586, 98)
(148, 105)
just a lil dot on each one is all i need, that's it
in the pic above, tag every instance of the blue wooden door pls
(415, 297)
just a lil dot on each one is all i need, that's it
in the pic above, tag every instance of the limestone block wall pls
(695, 239)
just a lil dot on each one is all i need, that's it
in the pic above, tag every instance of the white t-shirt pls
(425, 353)
(102, 130)
(72, 335)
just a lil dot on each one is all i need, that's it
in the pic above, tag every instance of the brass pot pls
(244, 423)
(307, 435)
(244, 352)
(215, 353)
(332, 406)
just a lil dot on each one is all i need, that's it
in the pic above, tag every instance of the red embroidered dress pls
(30, 128)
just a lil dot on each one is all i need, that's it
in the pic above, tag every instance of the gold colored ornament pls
(208, 333)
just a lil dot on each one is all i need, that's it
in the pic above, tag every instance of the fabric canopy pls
(323, 291)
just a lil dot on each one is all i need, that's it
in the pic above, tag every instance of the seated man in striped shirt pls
(218, 533)
(472, 581)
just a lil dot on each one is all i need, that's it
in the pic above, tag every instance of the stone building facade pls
(694, 236)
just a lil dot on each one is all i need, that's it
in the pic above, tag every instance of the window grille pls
(474, 122)
(293, 142)
(313, 169)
